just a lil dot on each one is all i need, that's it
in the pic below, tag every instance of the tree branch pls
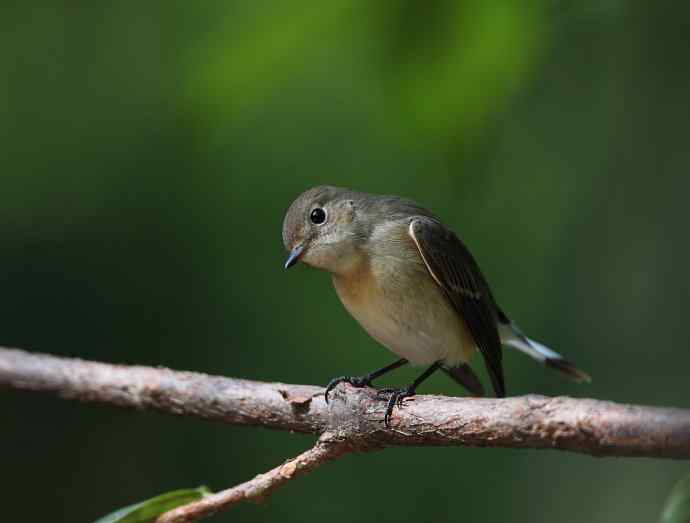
(327, 448)
(353, 420)
(599, 428)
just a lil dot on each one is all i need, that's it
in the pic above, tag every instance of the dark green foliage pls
(147, 511)
(677, 507)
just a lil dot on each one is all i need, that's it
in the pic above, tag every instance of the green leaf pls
(147, 511)
(677, 508)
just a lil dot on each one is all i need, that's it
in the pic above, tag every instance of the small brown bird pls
(412, 285)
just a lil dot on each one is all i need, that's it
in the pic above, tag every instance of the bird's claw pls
(355, 381)
(385, 392)
(396, 399)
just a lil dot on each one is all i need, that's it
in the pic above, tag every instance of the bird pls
(412, 284)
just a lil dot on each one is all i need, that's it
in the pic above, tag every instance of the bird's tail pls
(513, 337)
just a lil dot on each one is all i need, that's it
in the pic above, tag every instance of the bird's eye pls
(318, 216)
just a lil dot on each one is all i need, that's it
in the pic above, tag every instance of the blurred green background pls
(149, 151)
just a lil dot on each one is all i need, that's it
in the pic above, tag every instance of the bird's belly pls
(419, 326)
(419, 345)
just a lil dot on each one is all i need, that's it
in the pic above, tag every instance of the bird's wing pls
(454, 269)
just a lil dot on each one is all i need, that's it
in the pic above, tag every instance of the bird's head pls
(321, 229)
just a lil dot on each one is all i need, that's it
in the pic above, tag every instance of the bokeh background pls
(149, 150)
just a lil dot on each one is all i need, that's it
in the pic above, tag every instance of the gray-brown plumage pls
(410, 282)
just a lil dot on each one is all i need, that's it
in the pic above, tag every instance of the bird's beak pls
(294, 255)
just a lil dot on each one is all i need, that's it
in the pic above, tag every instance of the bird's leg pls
(398, 395)
(363, 381)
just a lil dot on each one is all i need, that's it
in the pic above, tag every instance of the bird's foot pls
(395, 398)
(385, 393)
(355, 381)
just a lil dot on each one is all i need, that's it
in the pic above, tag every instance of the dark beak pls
(294, 256)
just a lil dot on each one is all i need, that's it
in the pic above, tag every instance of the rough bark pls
(353, 419)
(600, 428)
(326, 449)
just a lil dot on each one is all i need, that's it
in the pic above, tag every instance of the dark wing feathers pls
(452, 266)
